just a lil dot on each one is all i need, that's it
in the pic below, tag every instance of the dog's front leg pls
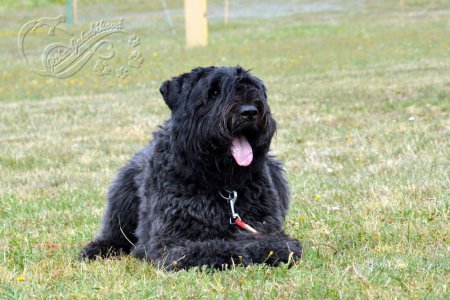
(271, 249)
(117, 234)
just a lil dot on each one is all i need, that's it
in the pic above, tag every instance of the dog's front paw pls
(94, 250)
(288, 251)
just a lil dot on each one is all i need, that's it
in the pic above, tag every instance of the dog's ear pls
(170, 90)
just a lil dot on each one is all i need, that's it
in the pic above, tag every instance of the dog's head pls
(220, 115)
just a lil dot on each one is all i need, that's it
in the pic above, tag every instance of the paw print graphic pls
(135, 59)
(134, 40)
(122, 73)
(101, 68)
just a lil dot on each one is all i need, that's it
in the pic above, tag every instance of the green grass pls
(362, 103)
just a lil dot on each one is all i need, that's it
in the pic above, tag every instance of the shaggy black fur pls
(165, 205)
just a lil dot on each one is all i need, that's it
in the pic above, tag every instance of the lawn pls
(361, 94)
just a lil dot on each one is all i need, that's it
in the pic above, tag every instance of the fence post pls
(69, 12)
(196, 23)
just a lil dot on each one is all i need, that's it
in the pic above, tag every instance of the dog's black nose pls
(248, 111)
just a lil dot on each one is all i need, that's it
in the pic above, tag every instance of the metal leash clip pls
(231, 198)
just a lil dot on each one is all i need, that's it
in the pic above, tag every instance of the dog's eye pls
(213, 93)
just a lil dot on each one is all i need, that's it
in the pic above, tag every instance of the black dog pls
(204, 191)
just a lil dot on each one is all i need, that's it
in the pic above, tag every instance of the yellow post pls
(196, 23)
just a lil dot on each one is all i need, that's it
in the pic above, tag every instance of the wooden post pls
(226, 9)
(196, 23)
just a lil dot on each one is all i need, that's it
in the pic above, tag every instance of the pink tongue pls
(242, 151)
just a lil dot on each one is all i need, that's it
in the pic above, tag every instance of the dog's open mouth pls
(242, 151)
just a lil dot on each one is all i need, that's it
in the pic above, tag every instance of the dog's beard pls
(220, 156)
(239, 135)
(219, 146)
(247, 142)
